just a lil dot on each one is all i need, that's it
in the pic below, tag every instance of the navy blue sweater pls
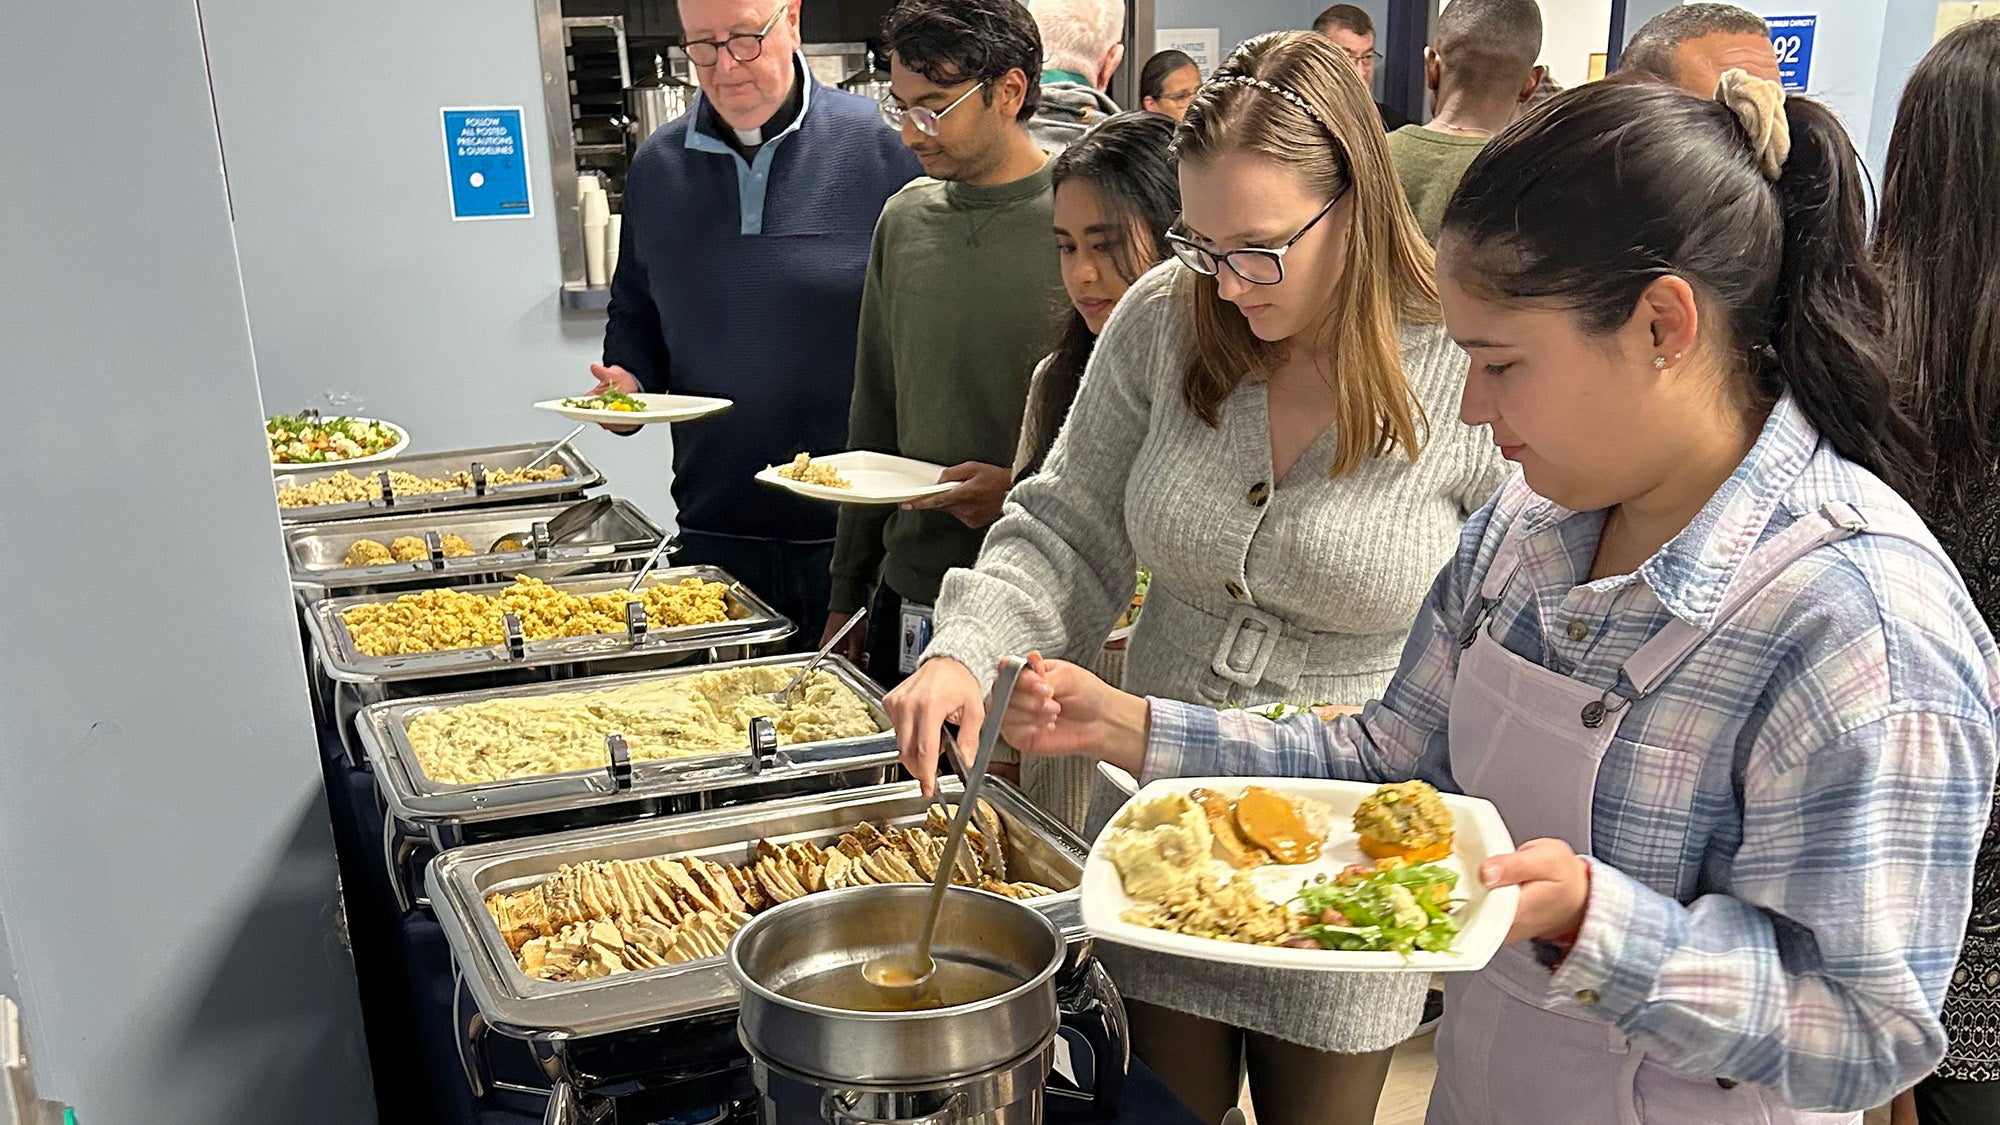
(742, 279)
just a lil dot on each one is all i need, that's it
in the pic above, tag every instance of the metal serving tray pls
(317, 551)
(753, 622)
(1042, 850)
(418, 800)
(582, 475)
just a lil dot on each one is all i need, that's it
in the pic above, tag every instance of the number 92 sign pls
(1792, 42)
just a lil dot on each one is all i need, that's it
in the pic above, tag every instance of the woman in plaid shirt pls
(1701, 655)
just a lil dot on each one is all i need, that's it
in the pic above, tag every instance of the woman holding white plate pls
(1706, 662)
(1267, 423)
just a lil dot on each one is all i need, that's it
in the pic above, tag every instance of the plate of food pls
(1298, 873)
(858, 477)
(310, 439)
(613, 407)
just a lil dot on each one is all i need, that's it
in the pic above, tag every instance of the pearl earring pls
(1660, 362)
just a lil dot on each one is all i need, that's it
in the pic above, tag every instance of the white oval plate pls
(659, 409)
(402, 443)
(878, 478)
(1478, 835)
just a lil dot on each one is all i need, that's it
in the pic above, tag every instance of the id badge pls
(916, 637)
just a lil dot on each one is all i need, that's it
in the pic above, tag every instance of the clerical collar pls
(746, 142)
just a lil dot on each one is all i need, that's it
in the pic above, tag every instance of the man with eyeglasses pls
(1353, 31)
(746, 239)
(963, 298)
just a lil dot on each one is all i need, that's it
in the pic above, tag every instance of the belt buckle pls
(1241, 619)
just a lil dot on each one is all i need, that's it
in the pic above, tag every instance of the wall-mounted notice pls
(1792, 40)
(1202, 44)
(484, 150)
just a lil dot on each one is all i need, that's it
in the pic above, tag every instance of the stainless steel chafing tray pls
(1040, 849)
(415, 798)
(752, 622)
(582, 475)
(621, 534)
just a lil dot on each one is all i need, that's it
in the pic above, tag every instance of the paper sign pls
(1792, 41)
(1202, 44)
(488, 161)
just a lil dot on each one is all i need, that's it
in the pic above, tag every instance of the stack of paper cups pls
(612, 236)
(596, 221)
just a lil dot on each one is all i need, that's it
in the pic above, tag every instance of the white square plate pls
(659, 408)
(1478, 834)
(878, 478)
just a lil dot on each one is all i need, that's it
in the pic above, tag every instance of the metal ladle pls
(910, 971)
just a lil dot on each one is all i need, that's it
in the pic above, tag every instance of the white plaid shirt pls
(1783, 831)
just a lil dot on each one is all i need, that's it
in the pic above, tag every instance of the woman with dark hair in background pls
(1116, 195)
(1168, 83)
(1721, 682)
(1938, 239)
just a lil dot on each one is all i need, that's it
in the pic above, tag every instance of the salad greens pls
(1397, 907)
(301, 439)
(611, 398)
(1276, 711)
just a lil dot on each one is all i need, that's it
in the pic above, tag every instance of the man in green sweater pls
(963, 295)
(1480, 70)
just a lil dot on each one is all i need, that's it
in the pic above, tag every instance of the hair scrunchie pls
(1759, 106)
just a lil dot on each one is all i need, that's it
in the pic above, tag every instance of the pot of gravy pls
(970, 1048)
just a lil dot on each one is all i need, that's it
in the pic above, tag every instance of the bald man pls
(1480, 70)
(1690, 46)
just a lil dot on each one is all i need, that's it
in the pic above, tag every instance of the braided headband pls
(1759, 106)
(1304, 106)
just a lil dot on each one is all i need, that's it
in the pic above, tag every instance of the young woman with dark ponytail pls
(1938, 239)
(1713, 670)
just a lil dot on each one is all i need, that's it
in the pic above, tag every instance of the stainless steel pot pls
(981, 1062)
(655, 102)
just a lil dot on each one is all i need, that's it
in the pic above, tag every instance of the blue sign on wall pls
(488, 160)
(1792, 40)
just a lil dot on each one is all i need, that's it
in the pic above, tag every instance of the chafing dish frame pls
(633, 537)
(509, 1001)
(583, 475)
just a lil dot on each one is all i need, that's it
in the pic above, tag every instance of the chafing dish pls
(663, 1041)
(619, 538)
(425, 816)
(350, 680)
(582, 475)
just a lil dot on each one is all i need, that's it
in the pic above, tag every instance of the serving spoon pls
(909, 971)
(783, 696)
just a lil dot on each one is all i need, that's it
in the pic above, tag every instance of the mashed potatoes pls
(703, 713)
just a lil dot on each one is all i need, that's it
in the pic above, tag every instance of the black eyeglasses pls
(1258, 265)
(743, 48)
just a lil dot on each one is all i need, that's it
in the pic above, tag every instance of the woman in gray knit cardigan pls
(1270, 423)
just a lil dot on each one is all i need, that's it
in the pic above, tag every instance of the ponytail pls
(1829, 317)
(1604, 189)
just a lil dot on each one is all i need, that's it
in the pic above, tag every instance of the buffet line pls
(590, 778)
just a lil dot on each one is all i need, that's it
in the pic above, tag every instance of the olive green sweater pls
(963, 297)
(1430, 164)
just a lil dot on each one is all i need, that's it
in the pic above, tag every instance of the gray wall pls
(1242, 19)
(358, 281)
(166, 870)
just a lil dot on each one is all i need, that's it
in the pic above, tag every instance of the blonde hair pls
(1332, 136)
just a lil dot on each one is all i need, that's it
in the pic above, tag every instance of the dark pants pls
(885, 637)
(1949, 1101)
(794, 578)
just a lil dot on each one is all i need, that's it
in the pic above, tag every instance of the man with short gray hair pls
(1691, 45)
(1083, 43)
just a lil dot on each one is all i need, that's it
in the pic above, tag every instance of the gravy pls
(1273, 823)
(954, 983)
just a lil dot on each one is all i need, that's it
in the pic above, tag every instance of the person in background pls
(1691, 45)
(1115, 196)
(1353, 31)
(1265, 422)
(1938, 239)
(746, 235)
(1724, 687)
(962, 298)
(1083, 43)
(1168, 83)
(1480, 71)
